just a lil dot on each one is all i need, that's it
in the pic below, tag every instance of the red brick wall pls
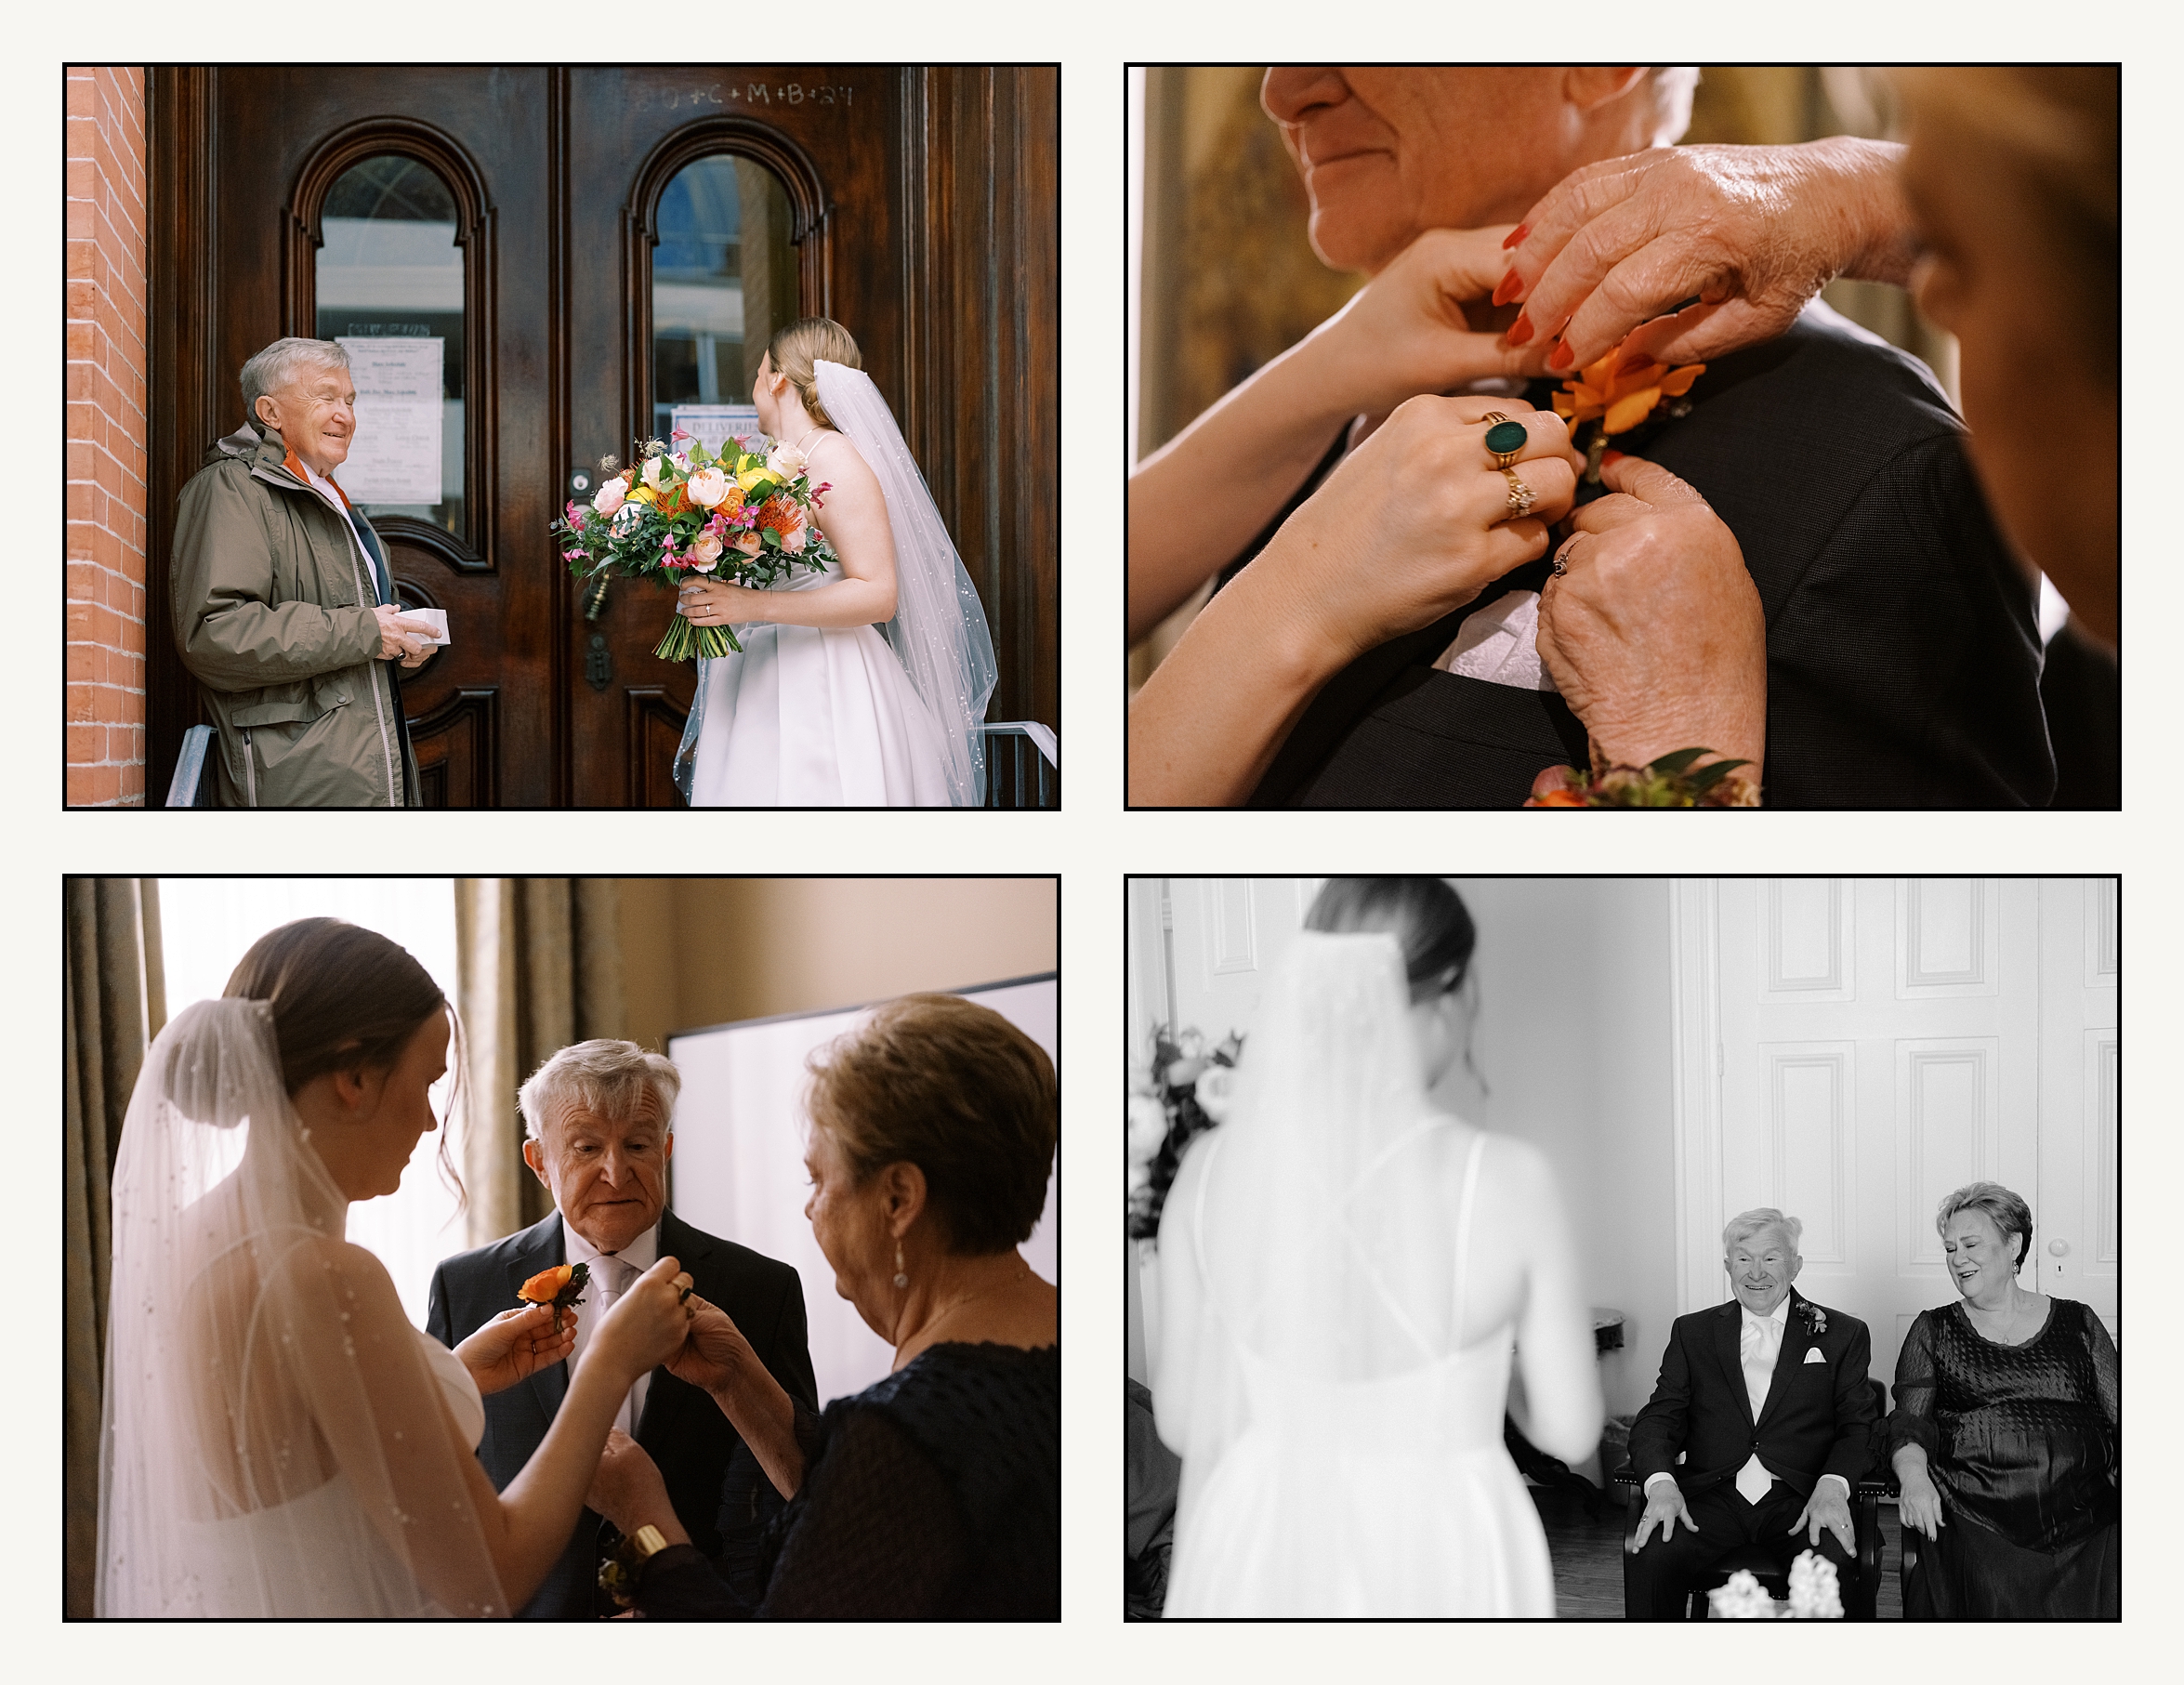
(107, 362)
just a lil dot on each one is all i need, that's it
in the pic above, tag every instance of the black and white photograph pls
(1622, 1248)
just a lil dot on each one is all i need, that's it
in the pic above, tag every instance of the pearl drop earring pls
(900, 1278)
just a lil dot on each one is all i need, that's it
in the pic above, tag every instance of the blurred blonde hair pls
(793, 349)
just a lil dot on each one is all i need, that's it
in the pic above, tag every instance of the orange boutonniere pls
(1619, 392)
(563, 1287)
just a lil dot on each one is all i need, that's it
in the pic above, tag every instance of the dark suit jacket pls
(1903, 641)
(700, 1457)
(1818, 1419)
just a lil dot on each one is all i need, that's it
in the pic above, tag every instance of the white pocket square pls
(1814, 1355)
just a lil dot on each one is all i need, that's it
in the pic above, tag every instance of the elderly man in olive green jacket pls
(283, 606)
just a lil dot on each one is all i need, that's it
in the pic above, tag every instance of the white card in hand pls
(425, 620)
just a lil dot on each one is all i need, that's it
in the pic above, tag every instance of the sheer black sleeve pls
(875, 1533)
(1912, 1422)
(2105, 1374)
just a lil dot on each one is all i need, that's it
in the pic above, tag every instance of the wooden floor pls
(1588, 1558)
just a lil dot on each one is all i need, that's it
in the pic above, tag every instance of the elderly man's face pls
(1387, 154)
(1761, 1268)
(608, 1174)
(315, 415)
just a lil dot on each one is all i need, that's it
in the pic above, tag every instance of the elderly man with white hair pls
(1766, 1403)
(600, 1124)
(284, 608)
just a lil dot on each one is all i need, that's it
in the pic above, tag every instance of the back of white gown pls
(1388, 1495)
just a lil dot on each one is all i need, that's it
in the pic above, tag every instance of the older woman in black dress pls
(2005, 1434)
(935, 1494)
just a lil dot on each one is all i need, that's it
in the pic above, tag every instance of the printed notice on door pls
(714, 424)
(395, 456)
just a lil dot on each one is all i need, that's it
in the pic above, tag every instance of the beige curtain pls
(112, 1003)
(540, 964)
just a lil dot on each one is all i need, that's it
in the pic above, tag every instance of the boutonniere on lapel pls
(1813, 1318)
(563, 1287)
(1619, 391)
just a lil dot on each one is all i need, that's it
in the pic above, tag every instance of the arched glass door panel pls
(724, 278)
(390, 289)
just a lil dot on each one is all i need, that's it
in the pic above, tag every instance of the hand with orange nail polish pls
(1691, 252)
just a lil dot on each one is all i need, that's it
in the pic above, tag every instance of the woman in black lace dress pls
(935, 1494)
(2004, 1435)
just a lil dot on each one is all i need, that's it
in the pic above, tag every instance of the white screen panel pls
(738, 1159)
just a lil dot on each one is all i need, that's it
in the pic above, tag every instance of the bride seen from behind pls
(278, 1440)
(1345, 1274)
(821, 709)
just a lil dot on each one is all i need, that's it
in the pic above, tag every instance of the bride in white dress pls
(278, 1440)
(821, 709)
(1344, 1273)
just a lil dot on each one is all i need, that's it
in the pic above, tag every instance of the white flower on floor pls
(1743, 1598)
(1815, 1594)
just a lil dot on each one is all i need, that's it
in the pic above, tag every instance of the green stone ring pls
(1505, 439)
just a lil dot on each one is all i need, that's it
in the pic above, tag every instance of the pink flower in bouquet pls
(708, 487)
(705, 552)
(651, 473)
(748, 543)
(787, 461)
(611, 495)
(794, 540)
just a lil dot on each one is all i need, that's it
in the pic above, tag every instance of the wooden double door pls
(917, 205)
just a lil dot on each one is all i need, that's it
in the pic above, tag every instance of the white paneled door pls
(1228, 933)
(1877, 1043)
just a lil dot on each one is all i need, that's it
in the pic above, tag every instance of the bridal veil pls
(1310, 1255)
(938, 632)
(273, 1443)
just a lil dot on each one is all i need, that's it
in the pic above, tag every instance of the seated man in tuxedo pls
(1903, 641)
(1767, 1401)
(599, 1117)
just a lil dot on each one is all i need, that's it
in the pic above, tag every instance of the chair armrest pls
(1634, 1501)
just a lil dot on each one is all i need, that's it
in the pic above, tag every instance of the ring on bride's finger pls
(1504, 439)
(1562, 556)
(1520, 498)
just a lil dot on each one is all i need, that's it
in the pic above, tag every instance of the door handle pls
(2058, 1248)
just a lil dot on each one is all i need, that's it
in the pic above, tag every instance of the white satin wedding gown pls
(817, 717)
(1393, 1495)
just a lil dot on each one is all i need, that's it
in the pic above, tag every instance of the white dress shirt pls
(636, 1257)
(1759, 1342)
(326, 488)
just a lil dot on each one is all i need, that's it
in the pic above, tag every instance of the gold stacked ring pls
(1520, 498)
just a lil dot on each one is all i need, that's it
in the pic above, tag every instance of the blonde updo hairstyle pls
(794, 351)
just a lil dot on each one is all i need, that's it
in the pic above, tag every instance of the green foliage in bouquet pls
(743, 517)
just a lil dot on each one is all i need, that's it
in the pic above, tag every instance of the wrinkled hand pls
(1829, 1507)
(646, 1327)
(398, 642)
(1407, 331)
(1752, 231)
(1413, 523)
(714, 1352)
(1655, 636)
(626, 1487)
(1665, 1507)
(1918, 1504)
(713, 602)
(515, 1345)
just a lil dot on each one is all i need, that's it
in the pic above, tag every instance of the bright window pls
(208, 923)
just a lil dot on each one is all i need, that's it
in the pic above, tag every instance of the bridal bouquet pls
(1182, 1092)
(745, 516)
